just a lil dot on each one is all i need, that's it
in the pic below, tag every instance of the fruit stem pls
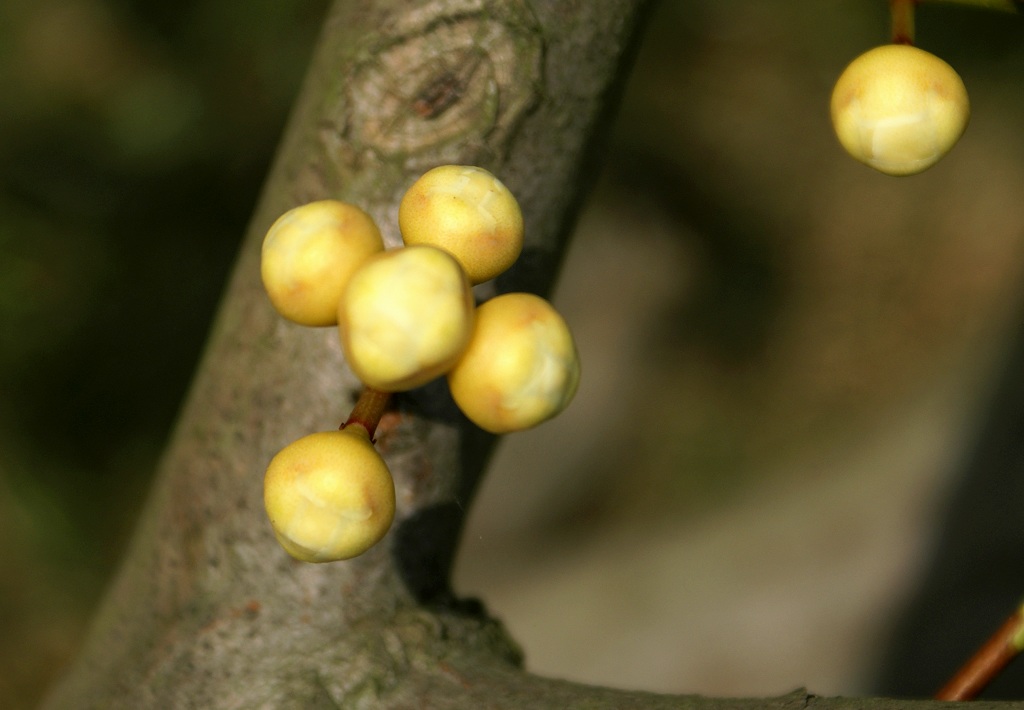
(1001, 648)
(368, 410)
(902, 12)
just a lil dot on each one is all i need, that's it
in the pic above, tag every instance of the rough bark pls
(206, 610)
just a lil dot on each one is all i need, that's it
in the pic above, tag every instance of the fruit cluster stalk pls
(902, 21)
(368, 410)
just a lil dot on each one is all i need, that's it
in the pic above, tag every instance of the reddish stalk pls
(902, 12)
(368, 410)
(1001, 648)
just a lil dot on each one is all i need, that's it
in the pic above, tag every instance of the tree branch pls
(207, 610)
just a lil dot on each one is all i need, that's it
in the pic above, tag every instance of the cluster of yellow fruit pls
(407, 316)
(899, 109)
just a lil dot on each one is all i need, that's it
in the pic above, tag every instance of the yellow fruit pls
(405, 317)
(329, 495)
(520, 368)
(899, 109)
(467, 212)
(309, 254)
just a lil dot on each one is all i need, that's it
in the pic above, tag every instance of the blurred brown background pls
(785, 353)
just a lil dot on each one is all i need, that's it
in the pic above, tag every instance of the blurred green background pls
(783, 351)
(134, 137)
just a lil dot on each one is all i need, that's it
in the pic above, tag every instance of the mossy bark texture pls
(207, 611)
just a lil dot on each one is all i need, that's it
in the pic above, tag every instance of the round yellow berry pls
(467, 212)
(520, 368)
(405, 318)
(329, 495)
(899, 109)
(309, 254)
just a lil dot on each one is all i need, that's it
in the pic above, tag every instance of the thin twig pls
(1001, 648)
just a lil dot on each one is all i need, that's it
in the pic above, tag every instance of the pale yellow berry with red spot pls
(899, 109)
(308, 255)
(329, 495)
(467, 212)
(405, 317)
(521, 366)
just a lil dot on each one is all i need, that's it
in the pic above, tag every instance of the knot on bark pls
(446, 76)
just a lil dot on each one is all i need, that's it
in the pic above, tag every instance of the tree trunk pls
(207, 611)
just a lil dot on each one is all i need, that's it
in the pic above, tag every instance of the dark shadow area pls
(976, 577)
(743, 285)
